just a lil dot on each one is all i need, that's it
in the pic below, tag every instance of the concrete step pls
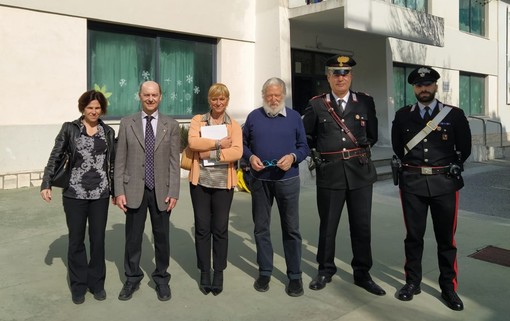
(383, 172)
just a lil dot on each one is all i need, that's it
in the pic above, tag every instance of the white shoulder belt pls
(431, 126)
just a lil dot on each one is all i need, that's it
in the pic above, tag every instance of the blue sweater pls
(271, 138)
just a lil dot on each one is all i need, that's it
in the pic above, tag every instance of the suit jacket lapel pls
(137, 127)
(161, 131)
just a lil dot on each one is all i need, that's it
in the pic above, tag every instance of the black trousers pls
(85, 274)
(211, 208)
(135, 225)
(330, 203)
(443, 210)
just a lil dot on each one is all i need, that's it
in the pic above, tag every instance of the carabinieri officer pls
(432, 149)
(341, 126)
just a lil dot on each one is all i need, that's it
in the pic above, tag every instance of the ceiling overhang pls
(372, 16)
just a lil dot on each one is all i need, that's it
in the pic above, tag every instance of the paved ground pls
(33, 284)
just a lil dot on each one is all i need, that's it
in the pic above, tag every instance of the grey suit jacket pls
(129, 175)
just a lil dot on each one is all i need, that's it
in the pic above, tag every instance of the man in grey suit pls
(147, 176)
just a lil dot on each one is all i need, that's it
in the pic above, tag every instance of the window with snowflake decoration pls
(121, 58)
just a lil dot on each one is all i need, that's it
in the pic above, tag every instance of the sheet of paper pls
(213, 132)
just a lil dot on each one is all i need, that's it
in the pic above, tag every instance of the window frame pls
(408, 94)
(483, 106)
(470, 26)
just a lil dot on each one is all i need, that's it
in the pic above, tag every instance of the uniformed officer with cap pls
(432, 150)
(341, 126)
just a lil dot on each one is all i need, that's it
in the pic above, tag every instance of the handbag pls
(62, 172)
(186, 158)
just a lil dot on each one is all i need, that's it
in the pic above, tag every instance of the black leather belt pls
(345, 154)
(424, 170)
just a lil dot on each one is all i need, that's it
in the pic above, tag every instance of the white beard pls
(273, 111)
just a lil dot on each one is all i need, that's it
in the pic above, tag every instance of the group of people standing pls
(141, 173)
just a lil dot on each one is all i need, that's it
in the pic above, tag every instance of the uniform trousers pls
(330, 203)
(211, 208)
(286, 193)
(443, 210)
(83, 274)
(135, 225)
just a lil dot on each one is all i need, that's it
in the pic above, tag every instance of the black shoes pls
(217, 283)
(371, 287)
(127, 290)
(262, 283)
(452, 300)
(295, 288)
(78, 299)
(319, 282)
(205, 282)
(408, 291)
(163, 291)
(100, 295)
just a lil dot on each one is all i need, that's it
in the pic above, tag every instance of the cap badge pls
(342, 60)
(423, 71)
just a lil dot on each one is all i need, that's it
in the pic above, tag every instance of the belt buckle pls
(348, 152)
(426, 170)
(431, 125)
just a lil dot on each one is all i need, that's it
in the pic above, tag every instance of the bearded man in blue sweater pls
(274, 143)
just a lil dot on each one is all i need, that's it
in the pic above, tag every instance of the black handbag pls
(62, 172)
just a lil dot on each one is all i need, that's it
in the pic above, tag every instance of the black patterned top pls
(88, 175)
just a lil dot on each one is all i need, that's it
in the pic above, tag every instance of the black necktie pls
(150, 141)
(427, 115)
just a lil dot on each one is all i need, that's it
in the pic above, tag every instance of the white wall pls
(42, 73)
(502, 106)
(232, 19)
(272, 50)
(236, 70)
(43, 67)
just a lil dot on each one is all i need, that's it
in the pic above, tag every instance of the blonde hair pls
(218, 89)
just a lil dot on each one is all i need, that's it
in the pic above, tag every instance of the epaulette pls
(362, 93)
(319, 96)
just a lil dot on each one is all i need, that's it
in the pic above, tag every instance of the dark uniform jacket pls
(437, 149)
(325, 135)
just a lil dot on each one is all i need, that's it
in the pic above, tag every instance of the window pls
(404, 93)
(418, 5)
(472, 94)
(120, 59)
(472, 16)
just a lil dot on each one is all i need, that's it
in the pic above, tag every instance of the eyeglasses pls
(267, 163)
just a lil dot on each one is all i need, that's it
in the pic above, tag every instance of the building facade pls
(52, 51)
